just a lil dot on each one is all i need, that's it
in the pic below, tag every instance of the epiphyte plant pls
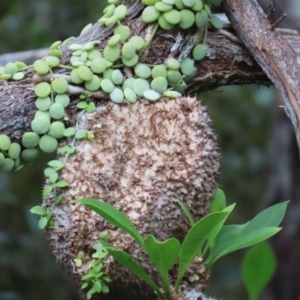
(209, 239)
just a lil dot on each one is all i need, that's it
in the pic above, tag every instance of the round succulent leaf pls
(111, 20)
(41, 67)
(21, 65)
(114, 40)
(207, 9)
(179, 4)
(18, 76)
(56, 111)
(199, 52)
(187, 66)
(52, 61)
(137, 41)
(173, 63)
(44, 114)
(117, 77)
(174, 77)
(75, 78)
(29, 154)
(187, 19)
(4, 142)
(124, 31)
(162, 7)
(94, 54)
(48, 143)
(42, 89)
(14, 150)
(151, 95)
(169, 2)
(128, 83)
(150, 14)
(83, 56)
(111, 53)
(80, 134)
(11, 68)
(140, 86)
(30, 139)
(57, 129)
(173, 16)
(98, 65)
(85, 73)
(94, 84)
(43, 104)
(201, 19)
(216, 22)
(56, 52)
(188, 3)
(117, 95)
(121, 11)
(62, 99)
(128, 50)
(159, 84)
(86, 28)
(2, 158)
(7, 165)
(75, 47)
(159, 71)
(59, 85)
(40, 125)
(172, 94)
(107, 86)
(130, 95)
(142, 70)
(130, 62)
(198, 6)
(164, 24)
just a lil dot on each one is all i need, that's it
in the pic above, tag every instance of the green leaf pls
(193, 241)
(258, 268)
(187, 212)
(91, 107)
(163, 255)
(72, 150)
(245, 240)
(56, 164)
(114, 216)
(62, 184)
(82, 105)
(43, 222)
(78, 262)
(59, 199)
(69, 131)
(63, 149)
(127, 261)
(38, 210)
(80, 134)
(212, 236)
(219, 201)
(53, 177)
(47, 190)
(270, 217)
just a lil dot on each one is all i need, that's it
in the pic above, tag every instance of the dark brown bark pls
(272, 52)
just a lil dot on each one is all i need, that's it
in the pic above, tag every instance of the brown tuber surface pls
(143, 159)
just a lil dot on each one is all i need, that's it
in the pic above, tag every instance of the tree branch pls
(272, 51)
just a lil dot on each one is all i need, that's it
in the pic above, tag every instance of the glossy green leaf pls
(187, 212)
(127, 261)
(258, 268)
(194, 239)
(270, 217)
(113, 216)
(163, 255)
(244, 240)
(219, 201)
(213, 234)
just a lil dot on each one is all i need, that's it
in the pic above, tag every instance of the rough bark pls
(273, 53)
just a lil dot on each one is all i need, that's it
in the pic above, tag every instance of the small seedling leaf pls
(91, 107)
(47, 190)
(43, 222)
(38, 210)
(62, 184)
(82, 105)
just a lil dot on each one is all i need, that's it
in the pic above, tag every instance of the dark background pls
(259, 167)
